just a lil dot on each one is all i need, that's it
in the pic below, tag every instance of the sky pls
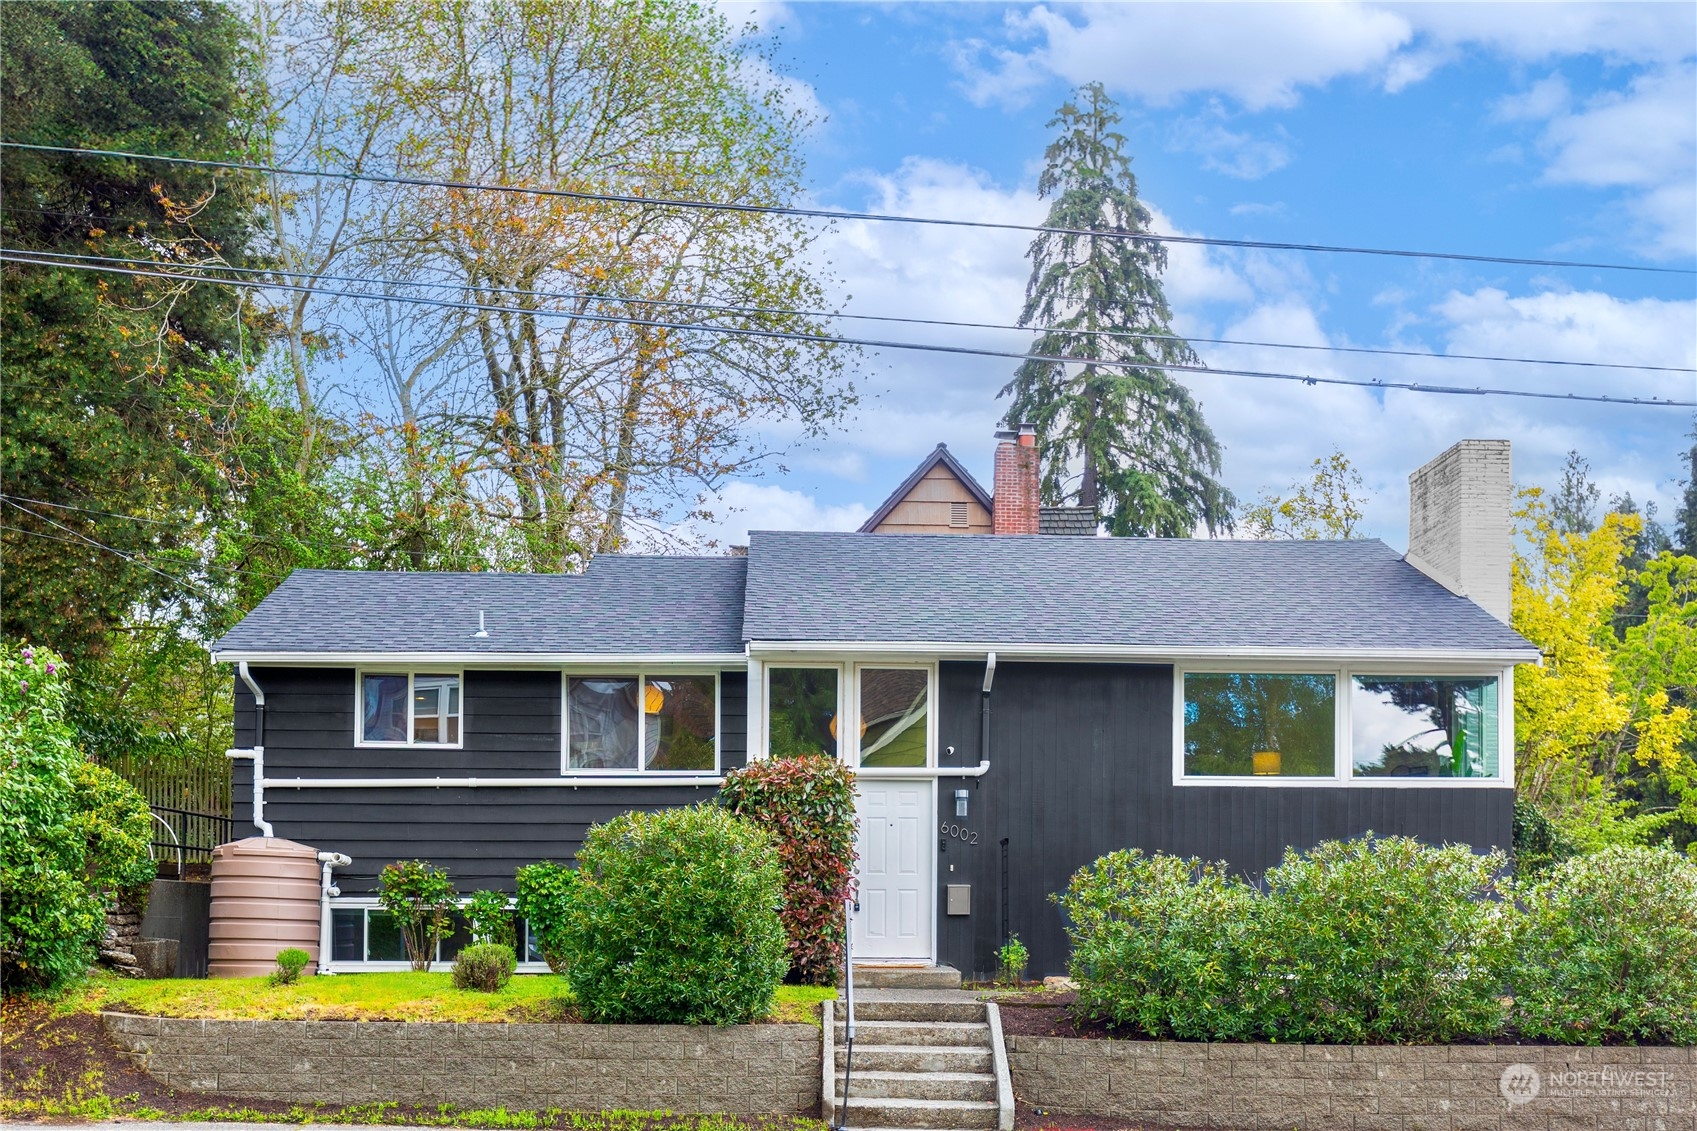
(1560, 131)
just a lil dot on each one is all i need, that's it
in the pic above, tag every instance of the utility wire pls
(833, 213)
(869, 343)
(180, 525)
(81, 539)
(719, 308)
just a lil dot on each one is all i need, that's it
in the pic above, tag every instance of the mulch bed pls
(47, 1055)
(1048, 1015)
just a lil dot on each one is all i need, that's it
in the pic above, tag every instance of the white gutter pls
(1155, 653)
(257, 752)
(706, 660)
(573, 781)
(327, 861)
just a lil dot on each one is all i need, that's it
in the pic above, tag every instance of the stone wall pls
(735, 1069)
(1254, 1087)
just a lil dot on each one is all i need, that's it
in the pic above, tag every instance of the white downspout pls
(256, 753)
(327, 861)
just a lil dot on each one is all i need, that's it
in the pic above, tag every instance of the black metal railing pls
(185, 836)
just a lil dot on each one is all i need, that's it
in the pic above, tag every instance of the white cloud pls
(758, 72)
(1642, 139)
(1622, 32)
(1235, 153)
(744, 506)
(1259, 54)
(1258, 208)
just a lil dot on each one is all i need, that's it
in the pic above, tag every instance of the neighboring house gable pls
(940, 497)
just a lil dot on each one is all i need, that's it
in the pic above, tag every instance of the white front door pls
(897, 885)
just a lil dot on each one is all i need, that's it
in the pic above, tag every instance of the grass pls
(402, 996)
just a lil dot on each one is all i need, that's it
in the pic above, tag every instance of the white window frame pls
(1343, 759)
(365, 904)
(642, 676)
(853, 759)
(411, 673)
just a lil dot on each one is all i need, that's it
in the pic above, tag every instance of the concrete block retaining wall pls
(737, 1069)
(1252, 1087)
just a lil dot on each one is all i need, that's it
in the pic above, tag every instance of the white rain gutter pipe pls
(327, 861)
(256, 753)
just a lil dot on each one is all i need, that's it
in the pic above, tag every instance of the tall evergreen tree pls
(1685, 515)
(1125, 440)
(1573, 507)
(103, 371)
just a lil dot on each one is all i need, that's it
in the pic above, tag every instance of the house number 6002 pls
(960, 832)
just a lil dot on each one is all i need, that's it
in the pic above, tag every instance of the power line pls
(80, 538)
(720, 308)
(181, 526)
(871, 343)
(836, 214)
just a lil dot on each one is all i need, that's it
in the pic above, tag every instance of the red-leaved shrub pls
(807, 805)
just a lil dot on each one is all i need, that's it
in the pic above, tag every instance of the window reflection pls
(1402, 726)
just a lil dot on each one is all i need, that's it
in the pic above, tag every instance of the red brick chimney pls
(1015, 499)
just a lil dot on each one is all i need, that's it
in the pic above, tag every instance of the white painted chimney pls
(1460, 532)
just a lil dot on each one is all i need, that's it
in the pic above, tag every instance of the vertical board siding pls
(511, 726)
(1081, 765)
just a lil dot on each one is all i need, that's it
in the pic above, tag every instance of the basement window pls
(368, 935)
(401, 708)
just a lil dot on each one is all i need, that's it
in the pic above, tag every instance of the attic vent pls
(957, 515)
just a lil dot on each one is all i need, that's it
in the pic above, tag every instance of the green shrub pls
(1377, 939)
(72, 835)
(489, 914)
(1011, 960)
(1538, 842)
(484, 966)
(544, 895)
(1606, 949)
(675, 918)
(420, 899)
(1157, 944)
(806, 803)
(290, 963)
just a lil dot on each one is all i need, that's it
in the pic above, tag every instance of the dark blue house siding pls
(1081, 765)
(511, 723)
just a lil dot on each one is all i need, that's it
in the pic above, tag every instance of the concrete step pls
(916, 1058)
(919, 1085)
(957, 1115)
(916, 1033)
(882, 1010)
(907, 977)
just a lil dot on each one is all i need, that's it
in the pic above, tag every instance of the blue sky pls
(1562, 131)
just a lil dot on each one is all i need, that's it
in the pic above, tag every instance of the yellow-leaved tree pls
(1604, 728)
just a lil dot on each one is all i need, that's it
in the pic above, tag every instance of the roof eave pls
(333, 659)
(1164, 653)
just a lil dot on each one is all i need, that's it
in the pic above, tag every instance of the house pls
(1022, 703)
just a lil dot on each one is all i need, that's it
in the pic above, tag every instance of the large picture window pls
(801, 712)
(408, 708)
(1423, 728)
(1341, 726)
(636, 723)
(1241, 724)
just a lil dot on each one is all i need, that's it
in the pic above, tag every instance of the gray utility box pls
(960, 899)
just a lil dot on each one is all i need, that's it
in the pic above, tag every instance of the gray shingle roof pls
(1157, 593)
(1078, 522)
(620, 605)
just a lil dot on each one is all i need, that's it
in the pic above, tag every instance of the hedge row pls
(1385, 939)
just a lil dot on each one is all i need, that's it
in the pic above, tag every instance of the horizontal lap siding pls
(511, 725)
(1081, 765)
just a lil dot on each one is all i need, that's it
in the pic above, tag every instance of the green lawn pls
(401, 996)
